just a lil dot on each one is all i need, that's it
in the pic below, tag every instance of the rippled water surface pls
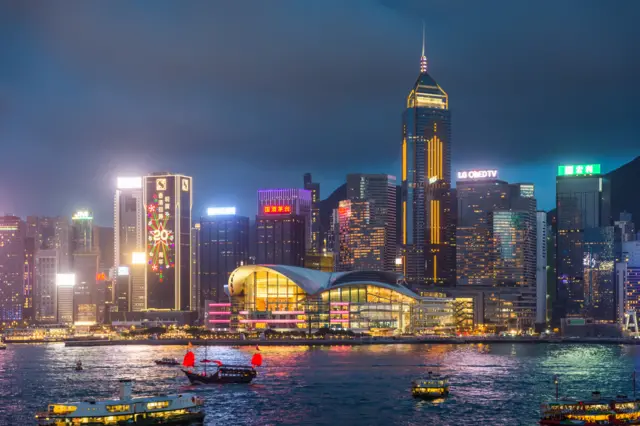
(500, 384)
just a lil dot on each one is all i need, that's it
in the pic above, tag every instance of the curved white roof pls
(313, 281)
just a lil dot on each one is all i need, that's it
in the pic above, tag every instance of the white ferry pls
(182, 409)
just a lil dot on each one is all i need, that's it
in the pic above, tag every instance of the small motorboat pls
(178, 409)
(3, 346)
(167, 361)
(79, 366)
(433, 386)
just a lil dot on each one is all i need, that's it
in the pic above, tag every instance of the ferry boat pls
(433, 386)
(182, 409)
(595, 412)
(167, 361)
(2, 346)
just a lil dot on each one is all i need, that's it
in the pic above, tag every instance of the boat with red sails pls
(222, 373)
(596, 411)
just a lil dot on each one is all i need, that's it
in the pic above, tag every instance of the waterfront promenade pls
(355, 341)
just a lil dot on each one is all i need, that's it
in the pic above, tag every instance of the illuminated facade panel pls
(168, 203)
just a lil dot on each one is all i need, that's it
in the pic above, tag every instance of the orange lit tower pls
(428, 234)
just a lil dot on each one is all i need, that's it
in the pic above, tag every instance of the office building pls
(599, 257)
(224, 246)
(137, 279)
(379, 191)
(44, 294)
(52, 233)
(541, 267)
(428, 226)
(280, 239)
(285, 202)
(316, 231)
(169, 200)
(86, 300)
(195, 267)
(12, 259)
(28, 278)
(583, 201)
(122, 297)
(361, 244)
(129, 217)
(64, 298)
(82, 232)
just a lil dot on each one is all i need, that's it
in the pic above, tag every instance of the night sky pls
(251, 94)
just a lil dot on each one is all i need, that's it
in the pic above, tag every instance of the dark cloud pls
(248, 94)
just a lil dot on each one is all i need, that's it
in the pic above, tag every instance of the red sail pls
(189, 359)
(256, 361)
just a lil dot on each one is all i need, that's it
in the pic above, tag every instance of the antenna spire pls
(423, 58)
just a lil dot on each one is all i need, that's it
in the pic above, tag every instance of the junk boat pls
(79, 366)
(167, 361)
(182, 409)
(594, 412)
(433, 386)
(222, 373)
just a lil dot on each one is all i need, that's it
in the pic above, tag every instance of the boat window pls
(158, 404)
(118, 408)
(62, 409)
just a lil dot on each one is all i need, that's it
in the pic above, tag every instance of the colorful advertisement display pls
(160, 236)
(579, 170)
(477, 174)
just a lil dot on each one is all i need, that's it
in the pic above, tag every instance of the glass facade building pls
(583, 201)
(428, 234)
(291, 298)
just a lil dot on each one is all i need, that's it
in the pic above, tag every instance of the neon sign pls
(276, 209)
(101, 276)
(478, 174)
(160, 239)
(579, 170)
(216, 211)
(82, 215)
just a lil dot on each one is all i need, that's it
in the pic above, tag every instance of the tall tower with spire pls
(428, 234)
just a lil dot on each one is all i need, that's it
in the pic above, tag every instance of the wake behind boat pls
(182, 409)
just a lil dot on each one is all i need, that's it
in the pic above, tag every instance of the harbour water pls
(498, 384)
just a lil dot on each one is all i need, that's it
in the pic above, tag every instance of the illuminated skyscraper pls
(128, 219)
(82, 228)
(428, 227)
(361, 243)
(316, 234)
(224, 246)
(168, 200)
(45, 271)
(12, 257)
(274, 203)
(583, 201)
(52, 233)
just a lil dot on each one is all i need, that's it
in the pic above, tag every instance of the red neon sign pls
(101, 276)
(276, 209)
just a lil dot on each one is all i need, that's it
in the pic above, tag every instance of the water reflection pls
(490, 384)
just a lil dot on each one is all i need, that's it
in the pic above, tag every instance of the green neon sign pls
(579, 170)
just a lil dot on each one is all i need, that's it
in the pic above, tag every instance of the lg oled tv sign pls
(477, 174)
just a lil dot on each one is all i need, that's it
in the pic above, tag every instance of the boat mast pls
(206, 360)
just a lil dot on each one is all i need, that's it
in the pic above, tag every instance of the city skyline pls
(521, 143)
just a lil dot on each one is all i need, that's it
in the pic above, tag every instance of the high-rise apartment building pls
(583, 201)
(224, 246)
(379, 191)
(45, 272)
(168, 200)
(316, 231)
(428, 226)
(12, 259)
(129, 219)
(541, 267)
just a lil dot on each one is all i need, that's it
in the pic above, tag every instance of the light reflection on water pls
(490, 384)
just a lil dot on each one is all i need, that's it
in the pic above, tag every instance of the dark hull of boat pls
(199, 379)
(191, 419)
(166, 363)
(429, 396)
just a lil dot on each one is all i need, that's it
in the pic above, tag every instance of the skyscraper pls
(82, 232)
(429, 230)
(52, 233)
(541, 267)
(316, 232)
(224, 246)
(379, 191)
(361, 244)
(28, 278)
(45, 271)
(583, 201)
(128, 219)
(12, 256)
(169, 200)
(298, 201)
